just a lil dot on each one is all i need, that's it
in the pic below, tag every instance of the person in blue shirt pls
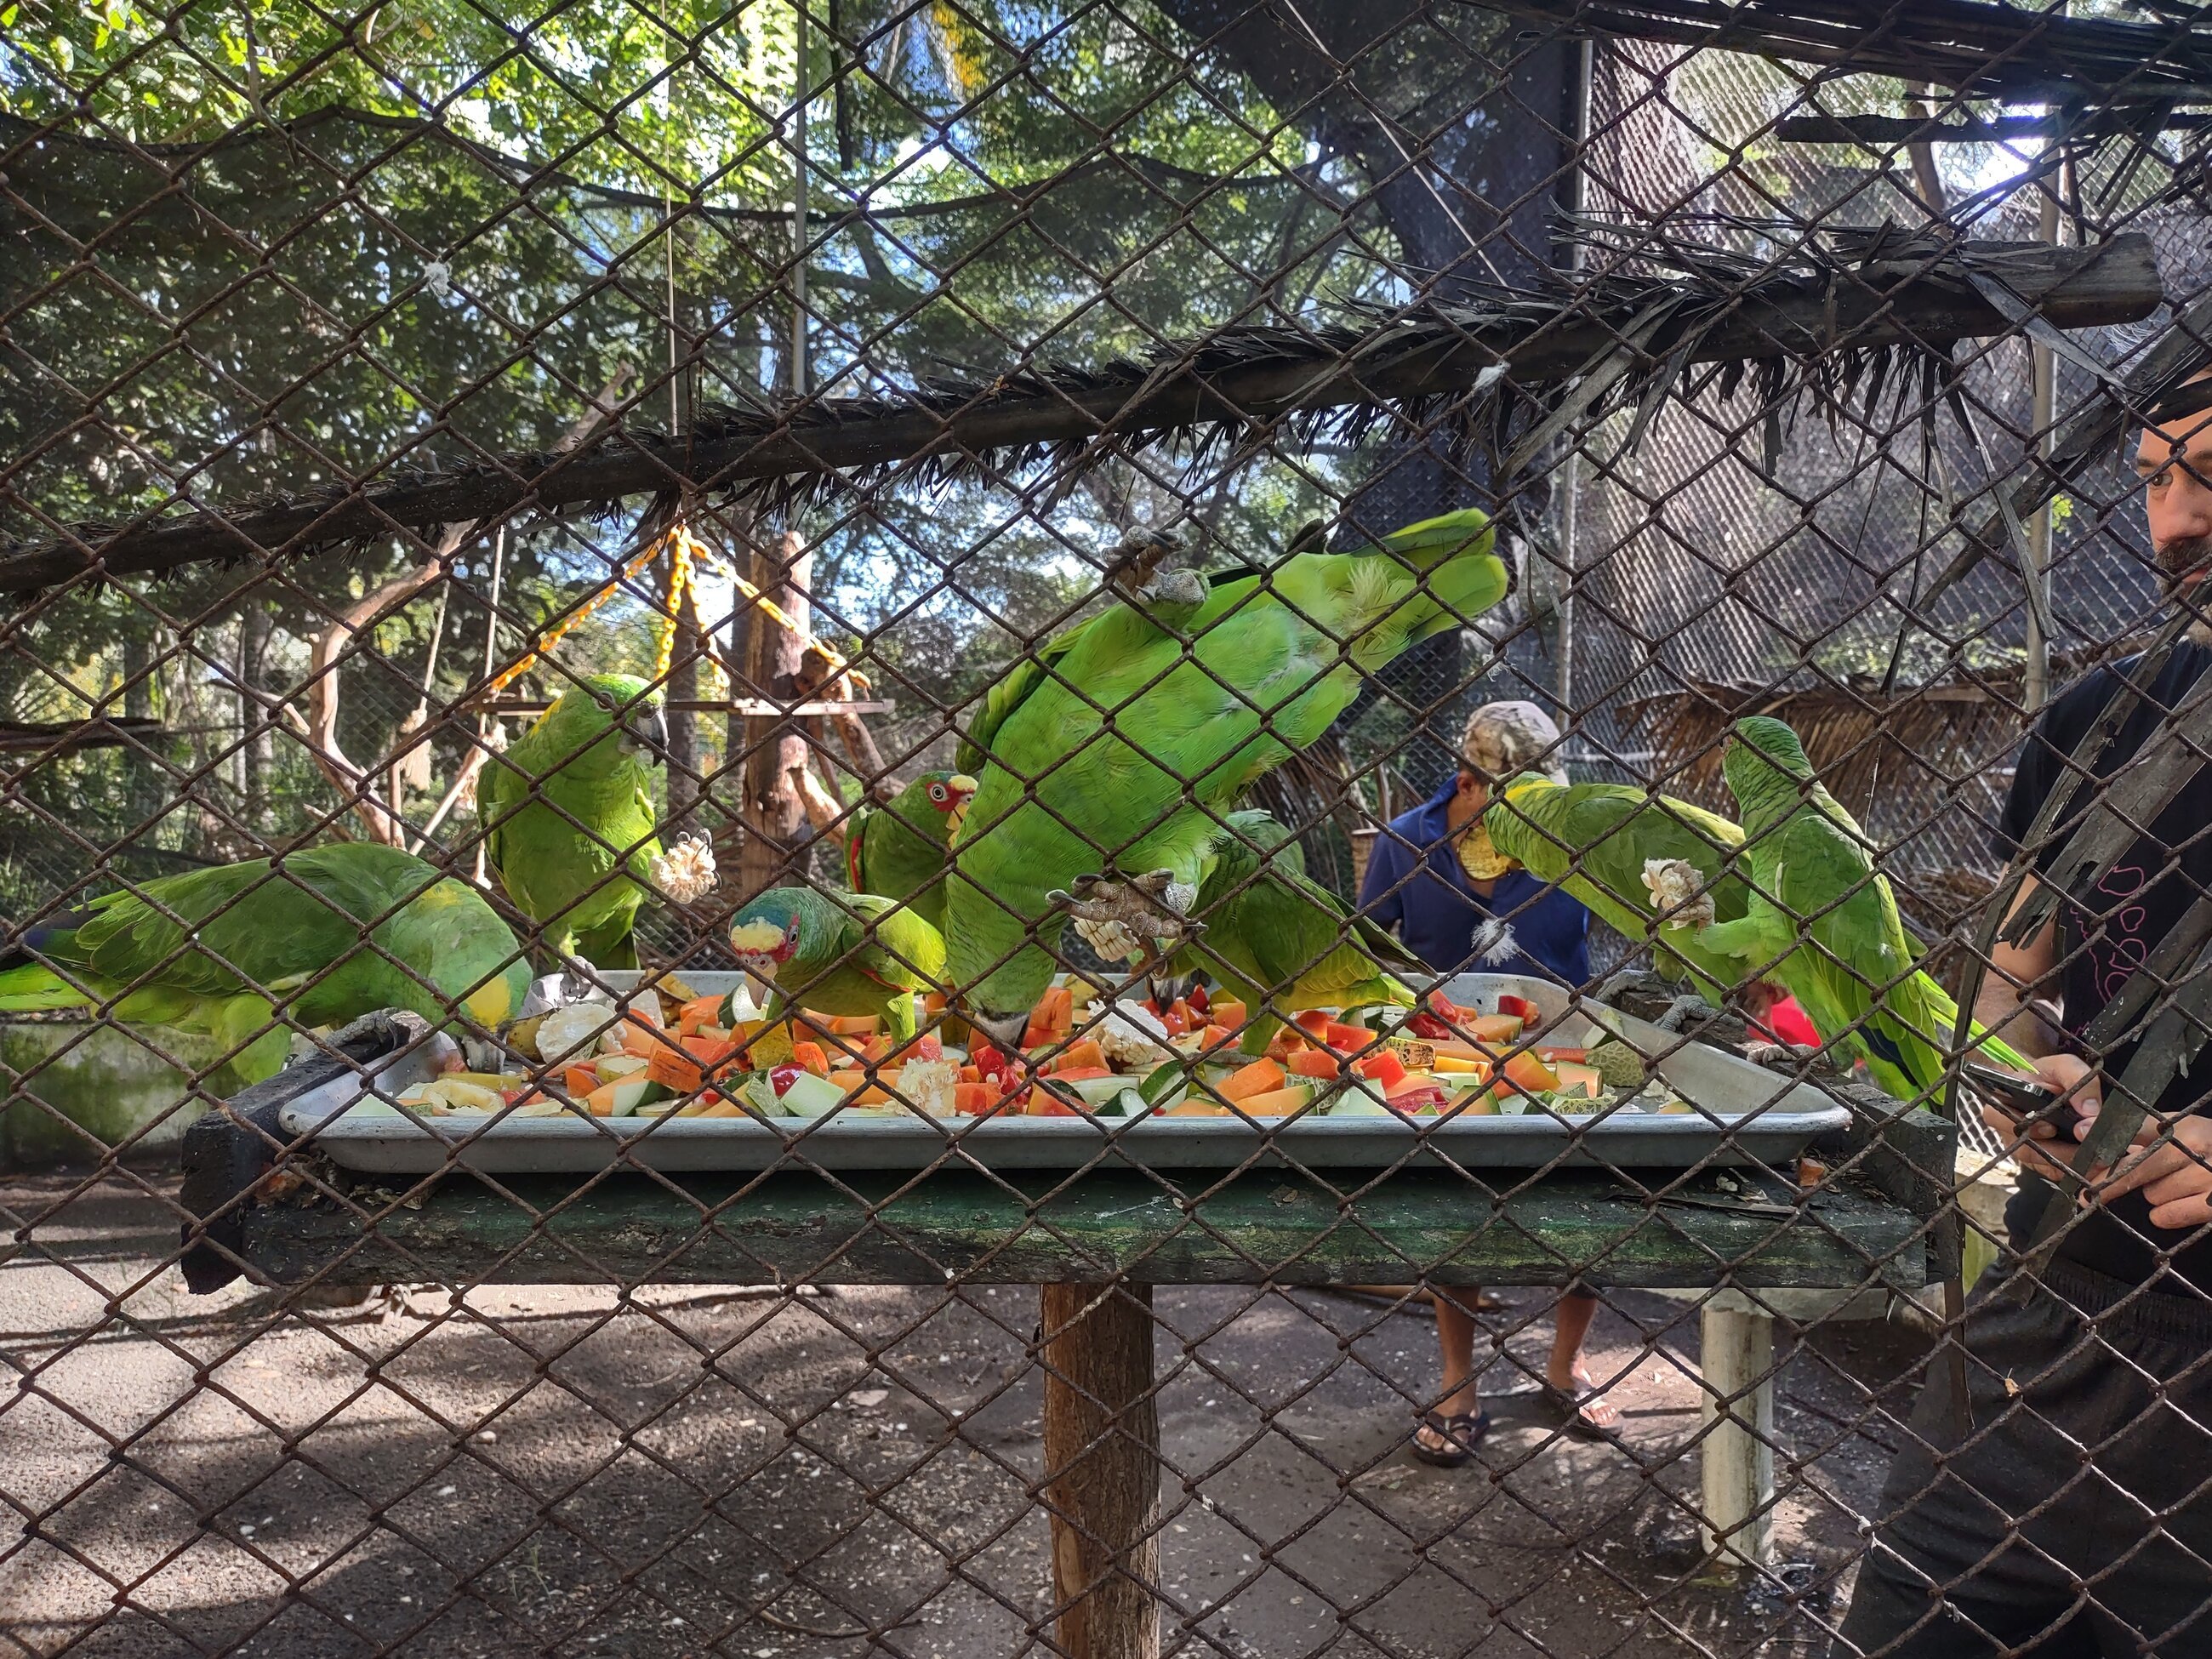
(1494, 917)
(1460, 906)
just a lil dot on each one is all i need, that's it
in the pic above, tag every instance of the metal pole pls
(2035, 683)
(1571, 484)
(799, 378)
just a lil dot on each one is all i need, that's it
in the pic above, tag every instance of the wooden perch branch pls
(1828, 307)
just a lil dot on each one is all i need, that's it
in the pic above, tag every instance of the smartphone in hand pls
(2029, 1099)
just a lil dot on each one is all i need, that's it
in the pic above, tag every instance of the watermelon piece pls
(1385, 1068)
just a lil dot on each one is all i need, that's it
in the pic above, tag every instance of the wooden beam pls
(1102, 1468)
(1267, 1226)
(1887, 131)
(751, 708)
(1230, 380)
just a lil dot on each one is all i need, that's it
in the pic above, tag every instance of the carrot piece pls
(1261, 1077)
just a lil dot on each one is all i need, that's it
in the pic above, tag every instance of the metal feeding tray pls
(1741, 1114)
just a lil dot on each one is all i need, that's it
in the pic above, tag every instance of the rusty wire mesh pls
(380, 381)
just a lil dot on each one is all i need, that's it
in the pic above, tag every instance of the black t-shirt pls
(2102, 940)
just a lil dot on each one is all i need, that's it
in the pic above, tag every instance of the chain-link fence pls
(1102, 830)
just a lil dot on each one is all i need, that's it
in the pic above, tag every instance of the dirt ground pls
(544, 1471)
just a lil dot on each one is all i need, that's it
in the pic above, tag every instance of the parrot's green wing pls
(1593, 840)
(1010, 691)
(892, 944)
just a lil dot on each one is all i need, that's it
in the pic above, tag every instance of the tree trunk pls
(1102, 1465)
(777, 831)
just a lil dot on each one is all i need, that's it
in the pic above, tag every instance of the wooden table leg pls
(1102, 1460)
(1738, 1450)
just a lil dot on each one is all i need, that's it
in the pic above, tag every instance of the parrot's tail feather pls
(33, 989)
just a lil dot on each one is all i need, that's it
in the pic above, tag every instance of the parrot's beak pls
(964, 790)
(645, 733)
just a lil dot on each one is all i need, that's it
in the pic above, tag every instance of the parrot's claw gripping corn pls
(1114, 917)
(1676, 889)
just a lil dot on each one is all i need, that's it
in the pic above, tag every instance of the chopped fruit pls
(700, 1011)
(1315, 1023)
(974, 1099)
(1493, 1028)
(1278, 1102)
(1078, 1073)
(1481, 1104)
(1260, 1076)
(1195, 1107)
(580, 1079)
(1177, 1024)
(671, 1068)
(1431, 1026)
(1228, 1011)
(1525, 1071)
(618, 1099)
(1349, 1039)
(853, 1025)
(1313, 1062)
(1181, 1009)
(922, 1048)
(1553, 1056)
(810, 1056)
(1085, 1054)
(971, 1074)
(1044, 1104)
(780, 1078)
(1385, 1068)
(1214, 1036)
(1198, 1000)
(1055, 1010)
(1521, 1009)
(1576, 1079)
(1412, 1098)
(1459, 1065)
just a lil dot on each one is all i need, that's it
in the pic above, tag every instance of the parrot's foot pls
(1116, 917)
(1183, 587)
(1680, 1012)
(1676, 886)
(1780, 1056)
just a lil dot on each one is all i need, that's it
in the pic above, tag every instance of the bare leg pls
(1570, 1324)
(1456, 1330)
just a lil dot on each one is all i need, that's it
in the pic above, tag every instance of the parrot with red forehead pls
(899, 850)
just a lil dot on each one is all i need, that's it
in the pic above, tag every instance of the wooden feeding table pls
(1096, 1240)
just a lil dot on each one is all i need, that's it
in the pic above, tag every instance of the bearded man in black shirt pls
(2074, 1518)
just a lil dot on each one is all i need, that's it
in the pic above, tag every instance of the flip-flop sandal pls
(1461, 1433)
(1566, 1405)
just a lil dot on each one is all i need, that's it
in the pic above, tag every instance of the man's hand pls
(2040, 1150)
(2172, 1170)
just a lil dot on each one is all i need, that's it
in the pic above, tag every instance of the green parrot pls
(899, 850)
(847, 954)
(568, 816)
(1809, 868)
(1281, 942)
(1207, 685)
(1596, 840)
(240, 940)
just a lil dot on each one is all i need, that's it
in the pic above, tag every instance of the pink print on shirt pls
(2118, 949)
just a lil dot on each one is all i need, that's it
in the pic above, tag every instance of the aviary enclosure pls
(710, 718)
